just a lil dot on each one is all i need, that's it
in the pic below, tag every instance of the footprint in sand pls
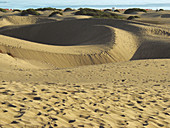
(14, 122)
(11, 105)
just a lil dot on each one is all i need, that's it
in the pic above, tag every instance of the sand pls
(75, 71)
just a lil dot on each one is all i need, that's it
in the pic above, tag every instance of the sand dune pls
(55, 33)
(154, 17)
(87, 31)
(21, 20)
(74, 72)
(120, 41)
(165, 15)
(4, 22)
(129, 94)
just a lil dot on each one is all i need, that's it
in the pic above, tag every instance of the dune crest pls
(82, 42)
(23, 20)
(96, 43)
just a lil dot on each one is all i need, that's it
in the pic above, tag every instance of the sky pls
(87, 2)
(23, 4)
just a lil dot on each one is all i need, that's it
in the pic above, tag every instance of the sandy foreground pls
(74, 71)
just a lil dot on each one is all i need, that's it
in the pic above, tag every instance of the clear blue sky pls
(23, 4)
(88, 2)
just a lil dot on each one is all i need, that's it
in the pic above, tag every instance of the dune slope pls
(83, 42)
(49, 75)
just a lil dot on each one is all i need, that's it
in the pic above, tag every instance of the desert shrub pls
(132, 17)
(132, 10)
(96, 13)
(2, 10)
(59, 10)
(161, 9)
(68, 9)
(54, 13)
(48, 8)
(29, 11)
(83, 10)
(106, 10)
(136, 16)
(116, 10)
(16, 10)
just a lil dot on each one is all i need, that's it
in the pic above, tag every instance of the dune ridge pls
(88, 42)
(112, 47)
(22, 20)
(115, 53)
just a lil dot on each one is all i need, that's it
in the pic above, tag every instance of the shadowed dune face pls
(109, 40)
(155, 50)
(165, 15)
(62, 34)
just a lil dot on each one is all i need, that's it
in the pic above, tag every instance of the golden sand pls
(75, 71)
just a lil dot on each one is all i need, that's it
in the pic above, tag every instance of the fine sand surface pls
(74, 71)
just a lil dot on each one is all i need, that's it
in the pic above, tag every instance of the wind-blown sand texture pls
(75, 71)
